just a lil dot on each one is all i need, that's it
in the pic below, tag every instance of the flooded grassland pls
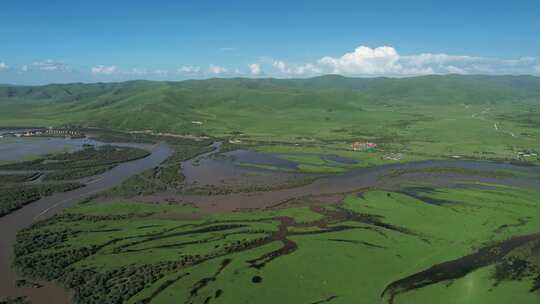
(249, 227)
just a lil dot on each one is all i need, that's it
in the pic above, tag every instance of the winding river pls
(48, 206)
(209, 169)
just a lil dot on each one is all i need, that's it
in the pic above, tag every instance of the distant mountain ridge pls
(173, 105)
(505, 86)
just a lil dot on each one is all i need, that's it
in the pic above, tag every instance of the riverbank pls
(49, 206)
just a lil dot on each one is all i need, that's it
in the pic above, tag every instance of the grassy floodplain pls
(61, 173)
(86, 162)
(291, 254)
(14, 196)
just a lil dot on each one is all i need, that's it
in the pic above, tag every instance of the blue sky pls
(65, 41)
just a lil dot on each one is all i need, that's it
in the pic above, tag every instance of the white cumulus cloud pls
(134, 71)
(216, 69)
(306, 69)
(439, 59)
(455, 70)
(49, 65)
(365, 61)
(255, 68)
(189, 69)
(161, 73)
(104, 70)
(296, 69)
(386, 61)
(3, 66)
(281, 66)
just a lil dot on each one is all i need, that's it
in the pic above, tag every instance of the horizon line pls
(272, 78)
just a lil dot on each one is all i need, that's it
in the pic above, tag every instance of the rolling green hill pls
(460, 88)
(431, 116)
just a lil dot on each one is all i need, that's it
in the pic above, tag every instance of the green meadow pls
(347, 252)
(480, 117)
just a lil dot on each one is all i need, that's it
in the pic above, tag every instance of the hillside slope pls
(435, 115)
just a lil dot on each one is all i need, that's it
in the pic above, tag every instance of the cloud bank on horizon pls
(363, 61)
(386, 61)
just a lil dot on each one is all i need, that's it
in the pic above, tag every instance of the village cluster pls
(48, 132)
(371, 147)
(527, 154)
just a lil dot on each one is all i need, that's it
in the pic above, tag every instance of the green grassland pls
(346, 253)
(372, 247)
(479, 117)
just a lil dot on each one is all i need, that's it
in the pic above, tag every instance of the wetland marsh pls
(345, 197)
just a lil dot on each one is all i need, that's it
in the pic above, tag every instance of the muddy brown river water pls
(224, 171)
